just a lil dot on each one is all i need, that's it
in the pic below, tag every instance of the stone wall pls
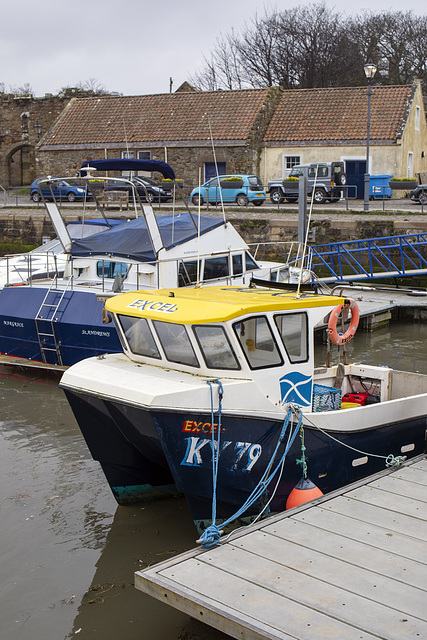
(29, 228)
(185, 161)
(19, 115)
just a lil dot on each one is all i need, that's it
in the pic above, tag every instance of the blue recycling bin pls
(379, 187)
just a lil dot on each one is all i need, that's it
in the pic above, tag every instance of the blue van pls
(241, 190)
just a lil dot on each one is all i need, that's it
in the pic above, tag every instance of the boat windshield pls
(139, 337)
(257, 343)
(215, 347)
(293, 331)
(176, 343)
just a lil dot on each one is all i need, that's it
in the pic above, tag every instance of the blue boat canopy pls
(125, 164)
(131, 239)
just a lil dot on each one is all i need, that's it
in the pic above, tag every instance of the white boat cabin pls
(233, 332)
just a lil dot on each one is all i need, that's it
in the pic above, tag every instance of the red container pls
(360, 398)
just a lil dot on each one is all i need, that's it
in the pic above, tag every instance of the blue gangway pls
(386, 257)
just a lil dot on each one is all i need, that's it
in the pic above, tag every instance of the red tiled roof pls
(339, 114)
(158, 118)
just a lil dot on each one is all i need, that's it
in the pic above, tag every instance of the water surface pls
(68, 552)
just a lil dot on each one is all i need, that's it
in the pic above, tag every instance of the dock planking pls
(350, 565)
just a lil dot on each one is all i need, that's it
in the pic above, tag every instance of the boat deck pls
(350, 565)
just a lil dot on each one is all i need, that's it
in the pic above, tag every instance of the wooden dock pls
(350, 565)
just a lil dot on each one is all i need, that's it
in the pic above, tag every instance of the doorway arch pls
(20, 165)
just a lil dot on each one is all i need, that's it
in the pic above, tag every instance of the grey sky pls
(129, 46)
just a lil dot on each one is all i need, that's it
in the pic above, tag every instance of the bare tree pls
(25, 90)
(315, 46)
(90, 87)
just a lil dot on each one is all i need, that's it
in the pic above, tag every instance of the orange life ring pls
(342, 338)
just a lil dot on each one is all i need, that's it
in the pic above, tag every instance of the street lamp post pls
(370, 70)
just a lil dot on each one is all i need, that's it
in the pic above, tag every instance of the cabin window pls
(293, 331)
(187, 273)
(216, 268)
(139, 337)
(250, 262)
(237, 264)
(257, 343)
(108, 269)
(215, 347)
(176, 343)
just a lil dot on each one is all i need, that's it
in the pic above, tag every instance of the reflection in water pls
(68, 552)
(138, 536)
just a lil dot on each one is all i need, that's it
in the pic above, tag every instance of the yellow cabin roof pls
(211, 304)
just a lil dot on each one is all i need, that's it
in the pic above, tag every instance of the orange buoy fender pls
(303, 492)
(342, 338)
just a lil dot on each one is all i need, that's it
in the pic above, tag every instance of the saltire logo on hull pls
(296, 387)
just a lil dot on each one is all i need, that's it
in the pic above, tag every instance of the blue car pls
(242, 190)
(61, 189)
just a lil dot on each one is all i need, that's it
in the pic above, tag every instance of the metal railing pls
(13, 197)
(391, 256)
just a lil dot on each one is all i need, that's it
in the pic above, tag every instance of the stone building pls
(263, 131)
(23, 121)
(325, 125)
(189, 129)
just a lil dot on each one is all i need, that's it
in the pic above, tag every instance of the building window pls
(140, 155)
(289, 162)
(417, 118)
(143, 155)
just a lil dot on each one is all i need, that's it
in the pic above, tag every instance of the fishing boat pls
(55, 316)
(216, 394)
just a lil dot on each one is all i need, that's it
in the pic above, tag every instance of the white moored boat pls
(216, 393)
(55, 316)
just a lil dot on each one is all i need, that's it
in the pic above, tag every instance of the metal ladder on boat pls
(47, 314)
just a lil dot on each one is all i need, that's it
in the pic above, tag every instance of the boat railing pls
(20, 269)
(290, 253)
(33, 268)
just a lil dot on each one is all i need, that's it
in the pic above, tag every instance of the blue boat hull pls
(140, 448)
(76, 332)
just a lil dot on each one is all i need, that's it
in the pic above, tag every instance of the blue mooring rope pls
(212, 534)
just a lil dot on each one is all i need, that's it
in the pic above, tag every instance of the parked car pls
(419, 194)
(62, 190)
(246, 188)
(147, 188)
(328, 176)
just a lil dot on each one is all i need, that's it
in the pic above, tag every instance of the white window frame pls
(127, 155)
(285, 168)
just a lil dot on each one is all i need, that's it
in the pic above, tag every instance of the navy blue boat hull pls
(131, 442)
(77, 326)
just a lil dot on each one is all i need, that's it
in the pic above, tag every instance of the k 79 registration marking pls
(242, 455)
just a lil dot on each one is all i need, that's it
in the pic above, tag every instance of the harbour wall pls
(31, 226)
